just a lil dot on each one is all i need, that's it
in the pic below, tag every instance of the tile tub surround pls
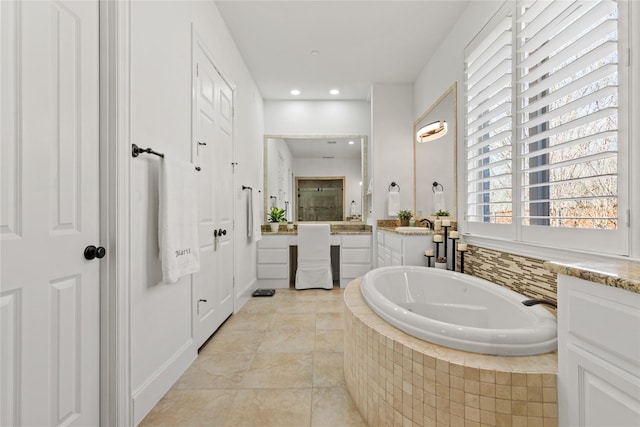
(618, 274)
(525, 275)
(396, 379)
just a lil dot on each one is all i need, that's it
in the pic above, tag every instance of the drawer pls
(355, 255)
(380, 237)
(273, 242)
(351, 271)
(273, 271)
(393, 242)
(273, 256)
(588, 304)
(356, 241)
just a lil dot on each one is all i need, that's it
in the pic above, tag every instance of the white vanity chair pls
(314, 257)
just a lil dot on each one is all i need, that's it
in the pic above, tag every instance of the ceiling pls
(357, 43)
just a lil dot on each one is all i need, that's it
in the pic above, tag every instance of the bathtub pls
(459, 311)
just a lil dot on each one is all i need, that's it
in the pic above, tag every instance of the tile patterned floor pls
(275, 363)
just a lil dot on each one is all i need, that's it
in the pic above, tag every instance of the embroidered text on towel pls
(181, 252)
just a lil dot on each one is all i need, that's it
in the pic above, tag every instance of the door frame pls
(115, 155)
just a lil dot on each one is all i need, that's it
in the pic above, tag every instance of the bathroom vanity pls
(402, 247)
(353, 249)
(598, 343)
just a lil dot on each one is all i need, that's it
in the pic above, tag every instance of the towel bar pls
(136, 151)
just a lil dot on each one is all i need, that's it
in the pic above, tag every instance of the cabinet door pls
(396, 258)
(598, 354)
(386, 256)
(600, 394)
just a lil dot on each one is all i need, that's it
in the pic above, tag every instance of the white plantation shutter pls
(568, 121)
(545, 131)
(488, 123)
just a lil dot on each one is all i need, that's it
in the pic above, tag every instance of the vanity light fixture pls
(334, 92)
(432, 131)
(295, 92)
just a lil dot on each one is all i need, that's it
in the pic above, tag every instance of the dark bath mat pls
(264, 292)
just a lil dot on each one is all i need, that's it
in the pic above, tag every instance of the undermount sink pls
(424, 230)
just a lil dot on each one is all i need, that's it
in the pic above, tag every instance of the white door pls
(223, 185)
(212, 145)
(49, 292)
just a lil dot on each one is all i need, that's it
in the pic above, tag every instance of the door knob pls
(91, 252)
(224, 232)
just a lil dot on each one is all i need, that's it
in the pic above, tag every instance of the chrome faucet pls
(537, 301)
(429, 223)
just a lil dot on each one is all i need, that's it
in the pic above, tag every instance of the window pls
(543, 144)
(488, 123)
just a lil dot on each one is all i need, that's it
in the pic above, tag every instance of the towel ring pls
(392, 185)
(436, 185)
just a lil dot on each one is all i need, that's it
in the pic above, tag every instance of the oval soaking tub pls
(459, 311)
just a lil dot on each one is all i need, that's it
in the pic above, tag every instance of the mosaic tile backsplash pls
(522, 274)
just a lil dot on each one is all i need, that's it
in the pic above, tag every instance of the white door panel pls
(49, 295)
(212, 148)
(224, 193)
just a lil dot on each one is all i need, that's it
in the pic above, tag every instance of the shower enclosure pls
(320, 198)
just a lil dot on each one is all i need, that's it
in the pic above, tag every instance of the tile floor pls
(277, 362)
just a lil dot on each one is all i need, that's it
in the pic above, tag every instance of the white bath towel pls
(249, 197)
(257, 214)
(438, 201)
(394, 203)
(178, 220)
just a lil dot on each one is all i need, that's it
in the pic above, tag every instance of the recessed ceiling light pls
(295, 92)
(334, 92)
(351, 142)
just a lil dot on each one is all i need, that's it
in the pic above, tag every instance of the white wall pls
(392, 145)
(308, 118)
(160, 99)
(445, 67)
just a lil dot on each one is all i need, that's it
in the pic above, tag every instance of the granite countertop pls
(424, 232)
(341, 228)
(618, 274)
(295, 232)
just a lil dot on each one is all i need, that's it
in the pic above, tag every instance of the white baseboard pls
(243, 295)
(150, 393)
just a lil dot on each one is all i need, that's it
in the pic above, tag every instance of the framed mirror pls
(316, 178)
(434, 157)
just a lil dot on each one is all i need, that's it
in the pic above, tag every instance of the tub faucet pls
(537, 301)
(429, 223)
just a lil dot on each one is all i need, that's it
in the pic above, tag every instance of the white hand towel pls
(178, 220)
(257, 215)
(438, 201)
(394, 203)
